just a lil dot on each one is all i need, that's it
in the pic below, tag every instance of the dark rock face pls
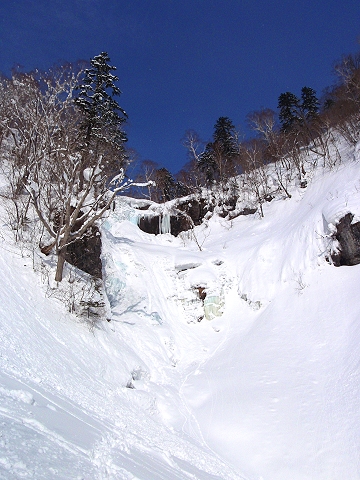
(248, 211)
(85, 253)
(183, 217)
(149, 224)
(348, 236)
(189, 212)
(178, 223)
(196, 209)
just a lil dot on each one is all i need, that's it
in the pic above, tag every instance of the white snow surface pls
(267, 390)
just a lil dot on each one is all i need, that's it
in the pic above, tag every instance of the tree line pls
(300, 122)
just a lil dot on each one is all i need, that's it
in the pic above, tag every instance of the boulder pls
(348, 236)
(85, 253)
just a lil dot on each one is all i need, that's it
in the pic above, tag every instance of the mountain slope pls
(237, 361)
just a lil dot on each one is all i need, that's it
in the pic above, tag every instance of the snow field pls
(267, 389)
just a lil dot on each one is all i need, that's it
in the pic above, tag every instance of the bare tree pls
(343, 100)
(195, 150)
(70, 187)
(264, 123)
(194, 145)
(256, 176)
(147, 174)
(190, 176)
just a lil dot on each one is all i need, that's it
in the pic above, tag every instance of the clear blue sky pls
(184, 63)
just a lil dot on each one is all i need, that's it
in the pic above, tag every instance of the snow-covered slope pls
(65, 409)
(265, 386)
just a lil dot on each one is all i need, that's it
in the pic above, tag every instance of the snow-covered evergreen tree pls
(288, 104)
(216, 162)
(103, 116)
(310, 103)
(295, 112)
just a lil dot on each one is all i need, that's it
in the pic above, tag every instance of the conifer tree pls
(103, 116)
(288, 104)
(207, 164)
(216, 162)
(102, 135)
(165, 184)
(225, 136)
(295, 112)
(310, 103)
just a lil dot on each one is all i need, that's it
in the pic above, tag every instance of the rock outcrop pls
(348, 236)
(85, 253)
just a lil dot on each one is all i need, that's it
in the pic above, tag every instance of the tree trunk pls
(60, 265)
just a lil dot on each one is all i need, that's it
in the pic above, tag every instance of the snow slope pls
(267, 389)
(65, 409)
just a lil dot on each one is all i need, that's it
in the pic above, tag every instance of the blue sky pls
(184, 63)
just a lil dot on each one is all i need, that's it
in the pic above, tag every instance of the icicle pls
(164, 223)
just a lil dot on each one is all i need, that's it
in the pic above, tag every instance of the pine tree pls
(207, 163)
(103, 116)
(310, 103)
(295, 112)
(216, 162)
(165, 184)
(225, 136)
(288, 104)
